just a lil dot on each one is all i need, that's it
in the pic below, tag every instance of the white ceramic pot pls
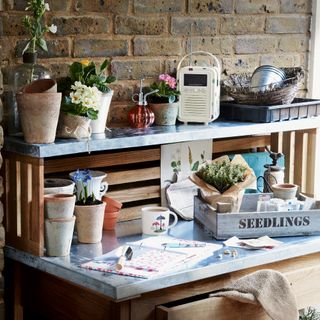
(99, 125)
(58, 236)
(59, 206)
(94, 185)
(89, 222)
(57, 185)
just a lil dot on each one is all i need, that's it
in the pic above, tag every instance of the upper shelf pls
(122, 138)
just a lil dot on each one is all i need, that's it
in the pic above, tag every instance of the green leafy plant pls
(35, 26)
(167, 91)
(88, 74)
(222, 175)
(310, 314)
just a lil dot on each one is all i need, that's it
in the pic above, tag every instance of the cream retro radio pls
(200, 91)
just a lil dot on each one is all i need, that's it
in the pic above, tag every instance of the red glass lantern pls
(140, 117)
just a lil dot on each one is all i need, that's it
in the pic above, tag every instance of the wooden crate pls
(133, 176)
(250, 224)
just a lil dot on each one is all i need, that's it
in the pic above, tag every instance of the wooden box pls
(250, 224)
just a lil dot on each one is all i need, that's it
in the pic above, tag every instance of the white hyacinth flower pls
(53, 28)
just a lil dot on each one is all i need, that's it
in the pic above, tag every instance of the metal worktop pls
(122, 138)
(123, 287)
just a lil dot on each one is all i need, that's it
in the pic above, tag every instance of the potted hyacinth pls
(89, 211)
(86, 77)
(163, 102)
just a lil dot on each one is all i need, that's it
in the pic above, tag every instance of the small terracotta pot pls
(40, 86)
(111, 213)
(284, 191)
(58, 236)
(111, 204)
(110, 220)
(59, 206)
(39, 114)
(89, 222)
(165, 113)
(57, 185)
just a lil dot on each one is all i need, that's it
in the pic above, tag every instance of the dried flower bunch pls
(222, 175)
(35, 26)
(167, 89)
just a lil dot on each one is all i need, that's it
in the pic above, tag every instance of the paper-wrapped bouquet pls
(224, 181)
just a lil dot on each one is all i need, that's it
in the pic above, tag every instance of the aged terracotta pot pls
(39, 114)
(40, 86)
(89, 222)
(59, 206)
(58, 236)
(165, 114)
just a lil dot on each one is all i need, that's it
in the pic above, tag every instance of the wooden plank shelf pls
(133, 176)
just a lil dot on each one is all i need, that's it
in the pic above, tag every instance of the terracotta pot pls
(111, 213)
(72, 126)
(284, 191)
(40, 86)
(59, 206)
(39, 114)
(99, 125)
(89, 222)
(58, 236)
(57, 185)
(140, 117)
(111, 204)
(165, 113)
(110, 220)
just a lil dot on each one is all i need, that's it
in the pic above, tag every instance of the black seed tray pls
(298, 109)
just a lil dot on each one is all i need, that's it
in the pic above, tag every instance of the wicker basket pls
(238, 87)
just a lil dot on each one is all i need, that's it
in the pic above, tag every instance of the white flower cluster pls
(86, 96)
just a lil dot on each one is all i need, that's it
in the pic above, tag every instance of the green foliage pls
(78, 109)
(35, 26)
(87, 73)
(311, 314)
(222, 175)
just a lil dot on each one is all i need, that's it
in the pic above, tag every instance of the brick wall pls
(147, 37)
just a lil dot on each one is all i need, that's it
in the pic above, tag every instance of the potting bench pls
(131, 159)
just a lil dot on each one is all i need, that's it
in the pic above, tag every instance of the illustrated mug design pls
(95, 185)
(155, 220)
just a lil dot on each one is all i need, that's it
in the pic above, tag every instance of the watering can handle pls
(214, 58)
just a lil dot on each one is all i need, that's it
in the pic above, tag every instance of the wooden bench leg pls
(13, 292)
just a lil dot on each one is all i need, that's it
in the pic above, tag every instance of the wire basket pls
(238, 86)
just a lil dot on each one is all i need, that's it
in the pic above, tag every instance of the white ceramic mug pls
(95, 184)
(155, 220)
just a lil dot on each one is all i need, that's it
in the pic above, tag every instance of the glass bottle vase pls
(19, 76)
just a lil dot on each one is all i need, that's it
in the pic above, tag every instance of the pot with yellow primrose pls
(163, 102)
(87, 94)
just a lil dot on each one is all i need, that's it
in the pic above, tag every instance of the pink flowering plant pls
(167, 87)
